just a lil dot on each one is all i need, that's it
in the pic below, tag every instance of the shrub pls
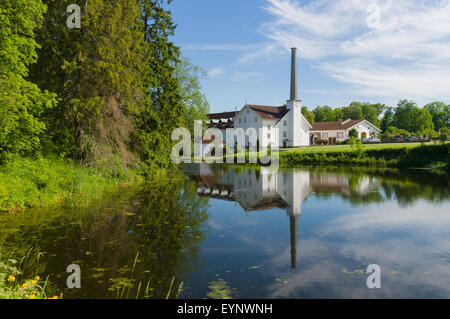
(353, 133)
(14, 284)
(423, 156)
(322, 142)
(444, 135)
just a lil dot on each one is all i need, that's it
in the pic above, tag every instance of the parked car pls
(371, 140)
(398, 138)
(412, 139)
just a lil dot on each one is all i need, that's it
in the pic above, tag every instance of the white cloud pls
(218, 71)
(406, 55)
(389, 49)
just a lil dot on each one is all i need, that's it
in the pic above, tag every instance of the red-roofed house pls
(335, 132)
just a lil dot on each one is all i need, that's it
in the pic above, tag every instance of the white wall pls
(297, 127)
(364, 127)
(248, 118)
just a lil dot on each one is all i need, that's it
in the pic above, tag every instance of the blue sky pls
(377, 51)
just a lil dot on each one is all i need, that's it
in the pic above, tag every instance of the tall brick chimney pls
(294, 93)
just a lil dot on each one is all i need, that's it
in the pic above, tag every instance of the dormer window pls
(285, 123)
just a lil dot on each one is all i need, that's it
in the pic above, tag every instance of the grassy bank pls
(26, 182)
(398, 156)
(339, 148)
(19, 278)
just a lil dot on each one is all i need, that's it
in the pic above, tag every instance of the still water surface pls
(221, 232)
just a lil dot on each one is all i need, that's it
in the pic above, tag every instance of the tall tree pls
(309, 115)
(387, 119)
(162, 109)
(411, 118)
(324, 114)
(95, 71)
(21, 101)
(440, 113)
(372, 112)
(353, 111)
(196, 103)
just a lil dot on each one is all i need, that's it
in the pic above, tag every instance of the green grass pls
(26, 182)
(18, 283)
(396, 155)
(385, 155)
(338, 148)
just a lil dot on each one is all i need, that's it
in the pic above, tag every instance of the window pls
(324, 135)
(284, 134)
(256, 119)
(268, 136)
(340, 134)
(240, 121)
(285, 123)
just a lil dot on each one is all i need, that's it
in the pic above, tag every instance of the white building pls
(283, 126)
(334, 132)
(277, 126)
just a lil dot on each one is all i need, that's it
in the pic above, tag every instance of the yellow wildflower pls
(11, 278)
(25, 285)
(54, 297)
(33, 282)
(37, 278)
(32, 297)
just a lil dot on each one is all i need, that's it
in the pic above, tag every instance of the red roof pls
(270, 112)
(224, 115)
(335, 126)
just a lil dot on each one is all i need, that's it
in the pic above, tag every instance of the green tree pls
(196, 103)
(338, 114)
(323, 114)
(444, 135)
(387, 119)
(411, 118)
(440, 113)
(95, 71)
(353, 111)
(308, 115)
(372, 112)
(162, 109)
(21, 101)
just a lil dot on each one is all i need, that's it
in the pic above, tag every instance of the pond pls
(243, 232)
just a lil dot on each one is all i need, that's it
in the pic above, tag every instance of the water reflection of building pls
(262, 189)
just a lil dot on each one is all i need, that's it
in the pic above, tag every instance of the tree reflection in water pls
(144, 240)
(161, 222)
